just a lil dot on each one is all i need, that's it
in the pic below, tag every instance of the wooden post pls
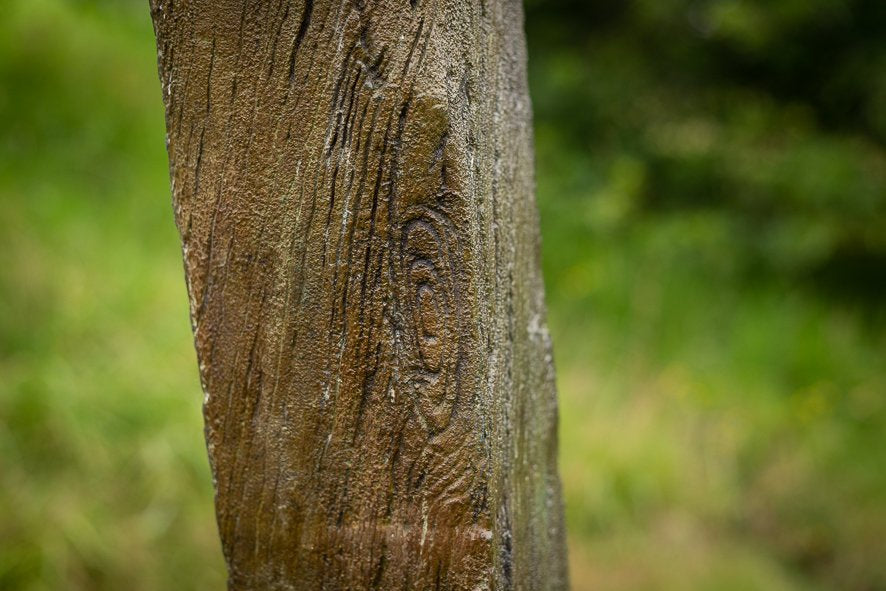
(353, 184)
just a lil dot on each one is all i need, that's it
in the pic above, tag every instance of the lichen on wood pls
(353, 185)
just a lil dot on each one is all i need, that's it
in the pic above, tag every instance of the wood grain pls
(353, 184)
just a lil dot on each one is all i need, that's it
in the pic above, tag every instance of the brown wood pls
(353, 184)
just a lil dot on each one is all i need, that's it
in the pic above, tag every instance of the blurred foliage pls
(712, 179)
(104, 482)
(712, 182)
(768, 118)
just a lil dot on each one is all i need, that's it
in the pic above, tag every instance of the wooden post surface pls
(353, 185)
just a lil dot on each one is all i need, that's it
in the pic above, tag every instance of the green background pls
(712, 184)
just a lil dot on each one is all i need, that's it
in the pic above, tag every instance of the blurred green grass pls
(713, 248)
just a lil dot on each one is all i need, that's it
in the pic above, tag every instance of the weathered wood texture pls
(353, 184)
